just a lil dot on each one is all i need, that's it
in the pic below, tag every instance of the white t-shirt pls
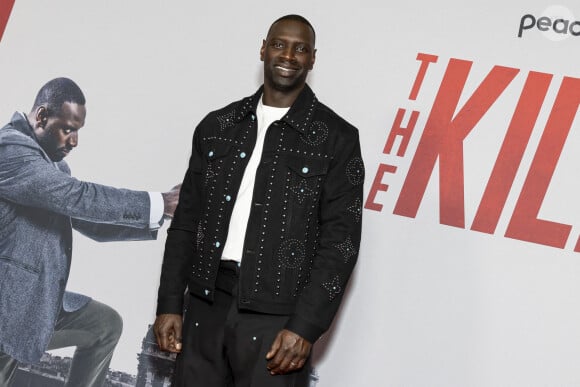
(234, 246)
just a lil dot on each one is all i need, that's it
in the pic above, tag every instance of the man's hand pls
(170, 200)
(167, 330)
(288, 353)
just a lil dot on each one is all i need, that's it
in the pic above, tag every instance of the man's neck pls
(277, 98)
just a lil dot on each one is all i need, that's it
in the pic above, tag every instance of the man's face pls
(58, 134)
(288, 54)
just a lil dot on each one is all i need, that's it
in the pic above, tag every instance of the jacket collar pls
(21, 124)
(298, 117)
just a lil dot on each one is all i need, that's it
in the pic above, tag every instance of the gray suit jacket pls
(40, 203)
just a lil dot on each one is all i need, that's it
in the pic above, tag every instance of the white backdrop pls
(429, 304)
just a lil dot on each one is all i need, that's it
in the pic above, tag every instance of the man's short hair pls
(297, 18)
(56, 92)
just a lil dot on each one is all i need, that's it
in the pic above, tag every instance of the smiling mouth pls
(288, 70)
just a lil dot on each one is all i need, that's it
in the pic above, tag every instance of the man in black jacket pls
(267, 229)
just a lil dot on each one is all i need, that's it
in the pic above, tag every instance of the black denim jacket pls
(304, 227)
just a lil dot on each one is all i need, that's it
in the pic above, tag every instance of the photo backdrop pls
(469, 268)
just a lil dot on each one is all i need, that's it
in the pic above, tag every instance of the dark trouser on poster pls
(95, 330)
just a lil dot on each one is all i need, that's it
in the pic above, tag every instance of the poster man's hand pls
(170, 200)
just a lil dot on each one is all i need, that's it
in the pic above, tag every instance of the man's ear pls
(41, 116)
(313, 60)
(262, 50)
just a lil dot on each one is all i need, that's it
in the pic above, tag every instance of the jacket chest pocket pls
(216, 156)
(304, 177)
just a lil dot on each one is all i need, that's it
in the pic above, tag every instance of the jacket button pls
(228, 198)
(305, 170)
(210, 154)
(243, 155)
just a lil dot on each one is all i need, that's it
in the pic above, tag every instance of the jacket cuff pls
(170, 305)
(304, 328)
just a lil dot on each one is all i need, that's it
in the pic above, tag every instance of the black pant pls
(226, 347)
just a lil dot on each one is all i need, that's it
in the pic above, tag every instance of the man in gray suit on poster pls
(40, 204)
